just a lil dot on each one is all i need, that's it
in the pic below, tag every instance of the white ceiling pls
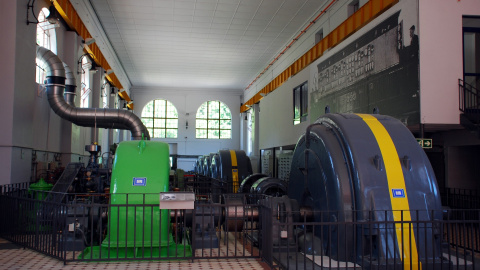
(219, 44)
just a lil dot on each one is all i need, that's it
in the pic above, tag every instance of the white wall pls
(8, 20)
(441, 57)
(276, 114)
(330, 20)
(276, 109)
(29, 124)
(188, 101)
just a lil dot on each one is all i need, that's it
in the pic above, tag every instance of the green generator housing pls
(136, 225)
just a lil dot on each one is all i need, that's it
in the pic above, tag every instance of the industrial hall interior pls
(251, 134)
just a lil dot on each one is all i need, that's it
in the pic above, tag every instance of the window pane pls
(171, 111)
(296, 103)
(304, 109)
(202, 111)
(213, 134)
(160, 108)
(201, 123)
(226, 124)
(159, 133)
(225, 112)
(148, 110)
(213, 124)
(213, 109)
(211, 117)
(470, 49)
(172, 123)
(154, 116)
(150, 131)
(172, 133)
(300, 103)
(148, 122)
(225, 134)
(201, 133)
(159, 123)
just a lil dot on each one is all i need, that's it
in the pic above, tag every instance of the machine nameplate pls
(177, 200)
(398, 193)
(139, 181)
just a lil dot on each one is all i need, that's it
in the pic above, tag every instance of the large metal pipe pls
(70, 86)
(59, 79)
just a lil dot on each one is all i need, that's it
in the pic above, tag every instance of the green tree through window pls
(213, 121)
(161, 119)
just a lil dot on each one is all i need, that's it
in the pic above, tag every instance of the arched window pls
(213, 121)
(45, 38)
(161, 119)
(105, 93)
(85, 78)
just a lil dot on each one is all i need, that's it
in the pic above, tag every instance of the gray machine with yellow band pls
(360, 168)
(229, 168)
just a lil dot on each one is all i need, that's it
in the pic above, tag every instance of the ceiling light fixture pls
(53, 17)
(93, 67)
(88, 41)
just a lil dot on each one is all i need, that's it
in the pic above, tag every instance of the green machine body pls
(136, 225)
(140, 172)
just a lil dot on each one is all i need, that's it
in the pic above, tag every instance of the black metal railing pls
(457, 198)
(85, 227)
(370, 243)
(469, 97)
(89, 227)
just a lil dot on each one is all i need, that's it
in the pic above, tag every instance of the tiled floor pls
(15, 257)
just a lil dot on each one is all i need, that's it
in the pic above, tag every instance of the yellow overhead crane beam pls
(70, 16)
(361, 17)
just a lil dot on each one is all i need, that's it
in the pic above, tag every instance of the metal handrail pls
(469, 97)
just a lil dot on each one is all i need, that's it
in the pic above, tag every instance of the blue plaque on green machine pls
(139, 181)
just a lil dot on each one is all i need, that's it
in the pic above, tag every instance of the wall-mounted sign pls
(378, 69)
(425, 143)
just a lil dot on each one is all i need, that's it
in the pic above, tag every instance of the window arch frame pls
(45, 33)
(211, 126)
(170, 123)
(85, 90)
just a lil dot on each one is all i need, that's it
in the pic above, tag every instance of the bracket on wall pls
(30, 6)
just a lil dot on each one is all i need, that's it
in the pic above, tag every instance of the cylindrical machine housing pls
(248, 182)
(231, 167)
(269, 186)
(358, 167)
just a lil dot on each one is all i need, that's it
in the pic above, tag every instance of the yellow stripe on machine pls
(396, 182)
(234, 171)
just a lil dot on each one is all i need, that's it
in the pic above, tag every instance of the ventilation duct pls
(60, 80)
(70, 86)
